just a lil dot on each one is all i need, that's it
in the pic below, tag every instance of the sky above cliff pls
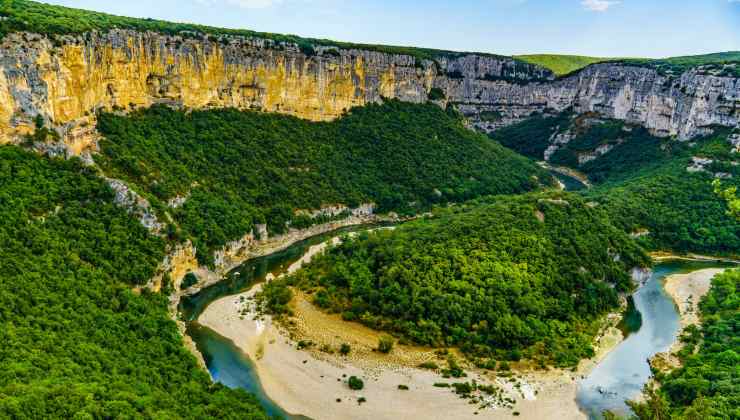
(626, 28)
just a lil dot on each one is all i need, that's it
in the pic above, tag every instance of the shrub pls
(436, 94)
(429, 365)
(463, 388)
(344, 349)
(189, 280)
(403, 387)
(385, 344)
(355, 383)
(303, 344)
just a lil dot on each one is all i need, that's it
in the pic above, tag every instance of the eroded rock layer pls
(65, 80)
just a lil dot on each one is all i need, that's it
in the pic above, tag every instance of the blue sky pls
(625, 28)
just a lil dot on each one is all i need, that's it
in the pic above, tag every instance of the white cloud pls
(600, 5)
(245, 4)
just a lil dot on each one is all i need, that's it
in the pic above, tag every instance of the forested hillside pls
(647, 185)
(236, 169)
(76, 341)
(707, 386)
(515, 277)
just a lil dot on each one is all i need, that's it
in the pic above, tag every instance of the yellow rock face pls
(6, 110)
(68, 83)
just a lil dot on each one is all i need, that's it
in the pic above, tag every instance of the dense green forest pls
(241, 168)
(76, 341)
(642, 181)
(679, 208)
(531, 137)
(512, 277)
(632, 149)
(707, 385)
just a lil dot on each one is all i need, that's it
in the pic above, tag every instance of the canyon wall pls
(66, 79)
(684, 106)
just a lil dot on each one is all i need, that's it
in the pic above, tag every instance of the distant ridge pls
(561, 64)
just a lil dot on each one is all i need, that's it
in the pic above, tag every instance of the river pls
(226, 362)
(619, 377)
(625, 370)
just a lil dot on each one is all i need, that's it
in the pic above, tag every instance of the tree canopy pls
(509, 277)
(76, 341)
(236, 169)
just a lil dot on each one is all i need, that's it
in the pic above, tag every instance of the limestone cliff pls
(682, 106)
(66, 79)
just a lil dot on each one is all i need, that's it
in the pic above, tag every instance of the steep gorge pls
(66, 78)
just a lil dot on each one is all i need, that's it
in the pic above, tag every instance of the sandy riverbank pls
(310, 381)
(687, 290)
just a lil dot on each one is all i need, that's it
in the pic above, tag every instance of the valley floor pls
(311, 381)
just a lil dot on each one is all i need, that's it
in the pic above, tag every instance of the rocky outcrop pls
(135, 205)
(67, 79)
(685, 106)
(181, 259)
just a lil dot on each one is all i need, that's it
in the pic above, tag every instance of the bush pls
(436, 94)
(385, 344)
(355, 383)
(463, 388)
(189, 280)
(275, 297)
(344, 349)
(429, 365)
(403, 387)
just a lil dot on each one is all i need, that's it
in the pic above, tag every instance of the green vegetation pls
(189, 280)
(531, 137)
(680, 209)
(436, 94)
(730, 195)
(728, 63)
(724, 63)
(429, 365)
(707, 386)
(237, 169)
(24, 15)
(344, 349)
(355, 383)
(385, 344)
(642, 181)
(76, 341)
(513, 277)
(561, 64)
(631, 319)
(631, 149)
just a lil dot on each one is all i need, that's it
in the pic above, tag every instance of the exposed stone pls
(734, 140)
(135, 204)
(640, 275)
(68, 79)
(699, 164)
(596, 153)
